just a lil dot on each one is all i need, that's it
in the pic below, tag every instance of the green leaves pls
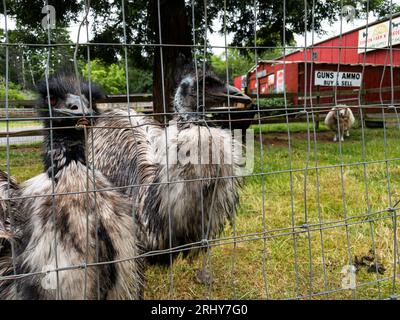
(15, 91)
(237, 63)
(112, 78)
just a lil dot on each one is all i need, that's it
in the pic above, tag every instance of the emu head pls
(66, 98)
(198, 92)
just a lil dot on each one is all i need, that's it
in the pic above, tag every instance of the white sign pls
(280, 81)
(261, 74)
(378, 35)
(271, 79)
(332, 78)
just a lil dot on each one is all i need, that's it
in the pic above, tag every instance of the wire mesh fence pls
(207, 192)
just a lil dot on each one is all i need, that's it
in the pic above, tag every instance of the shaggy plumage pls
(7, 188)
(340, 119)
(135, 153)
(74, 226)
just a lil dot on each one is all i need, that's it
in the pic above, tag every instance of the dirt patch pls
(281, 138)
(321, 136)
(274, 139)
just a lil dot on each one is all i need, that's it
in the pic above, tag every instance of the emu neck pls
(186, 118)
(63, 147)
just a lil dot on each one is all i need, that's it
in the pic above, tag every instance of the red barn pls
(240, 82)
(344, 64)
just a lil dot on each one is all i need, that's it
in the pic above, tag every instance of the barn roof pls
(337, 36)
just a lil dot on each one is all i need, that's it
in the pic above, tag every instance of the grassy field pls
(18, 125)
(310, 234)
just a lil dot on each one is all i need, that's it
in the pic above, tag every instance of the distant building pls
(358, 59)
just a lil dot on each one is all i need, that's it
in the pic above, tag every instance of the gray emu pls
(340, 119)
(198, 200)
(72, 228)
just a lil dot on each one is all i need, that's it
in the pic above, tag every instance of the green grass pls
(14, 125)
(279, 266)
(24, 160)
(282, 127)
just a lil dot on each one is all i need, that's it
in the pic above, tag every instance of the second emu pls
(177, 204)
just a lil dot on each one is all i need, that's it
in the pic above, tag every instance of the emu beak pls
(75, 106)
(233, 94)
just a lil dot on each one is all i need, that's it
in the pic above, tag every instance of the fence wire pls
(315, 219)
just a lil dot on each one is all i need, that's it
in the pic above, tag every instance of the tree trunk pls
(175, 30)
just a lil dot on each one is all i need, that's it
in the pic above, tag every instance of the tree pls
(238, 64)
(176, 20)
(112, 77)
(173, 24)
(15, 91)
(27, 59)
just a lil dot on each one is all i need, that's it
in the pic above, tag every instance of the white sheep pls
(340, 119)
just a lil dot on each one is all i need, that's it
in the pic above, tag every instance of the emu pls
(183, 202)
(74, 226)
(340, 119)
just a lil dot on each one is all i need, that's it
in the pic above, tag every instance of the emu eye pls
(53, 101)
